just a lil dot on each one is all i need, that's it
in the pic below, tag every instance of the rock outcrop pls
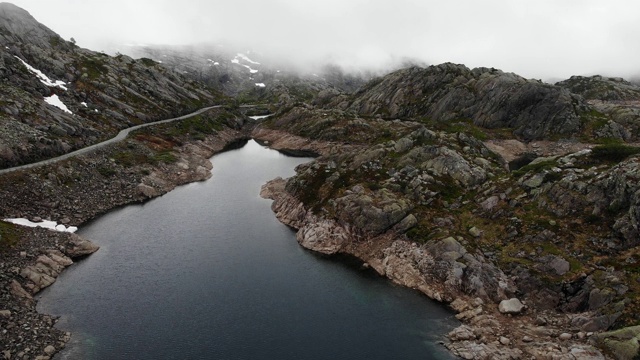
(489, 97)
(437, 210)
(36, 260)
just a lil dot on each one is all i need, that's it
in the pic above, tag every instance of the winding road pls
(121, 136)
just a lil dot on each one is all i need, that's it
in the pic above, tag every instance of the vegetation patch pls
(94, 67)
(147, 62)
(613, 152)
(9, 235)
(106, 171)
(130, 158)
(535, 167)
(165, 156)
(465, 126)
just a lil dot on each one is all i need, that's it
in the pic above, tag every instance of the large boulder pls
(511, 306)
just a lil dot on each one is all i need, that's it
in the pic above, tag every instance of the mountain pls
(57, 97)
(492, 99)
(249, 76)
(513, 201)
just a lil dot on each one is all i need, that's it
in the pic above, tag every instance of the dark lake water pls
(207, 272)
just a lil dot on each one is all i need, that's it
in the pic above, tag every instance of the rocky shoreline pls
(496, 325)
(489, 331)
(74, 192)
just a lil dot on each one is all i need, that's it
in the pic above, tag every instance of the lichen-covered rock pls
(623, 344)
(373, 213)
(323, 236)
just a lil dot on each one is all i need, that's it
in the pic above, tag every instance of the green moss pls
(95, 67)
(613, 152)
(9, 235)
(106, 171)
(165, 156)
(129, 158)
(465, 126)
(536, 168)
(147, 62)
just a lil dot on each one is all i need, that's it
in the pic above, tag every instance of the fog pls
(543, 39)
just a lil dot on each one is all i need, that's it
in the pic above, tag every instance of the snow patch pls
(55, 101)
(258, 117)
(235, 61)
(84, 104)
(253, 71)
(245, 58)
(216, 63)
(44, 224)
(44, 78)
(260, 85)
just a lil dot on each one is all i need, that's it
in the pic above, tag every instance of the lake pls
(207, 272)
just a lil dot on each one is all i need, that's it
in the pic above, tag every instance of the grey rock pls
(565, 336)
(534, 181)
(461, 333)
(490, 203)
(600, 297)
(82, 247)
(49, 350)
(554, 264)
(511, 306)
(475, 232)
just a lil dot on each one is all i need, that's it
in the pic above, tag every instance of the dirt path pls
(121, 136)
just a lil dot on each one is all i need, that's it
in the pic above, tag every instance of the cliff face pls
(57, 97)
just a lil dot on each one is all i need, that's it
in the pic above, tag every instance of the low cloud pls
(542, 39)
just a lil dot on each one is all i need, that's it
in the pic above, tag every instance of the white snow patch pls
(235, 61)
(253, 71)
(44, 224)
(260, 85)
(6, 47)
(258, 117)
(216, 63)
(97, 110)
(44, 78)
(55, 101)
(245, 58)
(84, 104)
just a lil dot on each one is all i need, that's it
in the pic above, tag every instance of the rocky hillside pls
(602, 88)
(57, 97)
(491, 99)
(615, 105)
(429, 205)
(251, 77)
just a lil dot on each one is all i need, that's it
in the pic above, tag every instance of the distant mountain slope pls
(493, 99)
(57, 97)
(489, 97)
(249, 76)
(602, 88)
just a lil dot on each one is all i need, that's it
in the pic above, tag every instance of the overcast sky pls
(535, 38)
